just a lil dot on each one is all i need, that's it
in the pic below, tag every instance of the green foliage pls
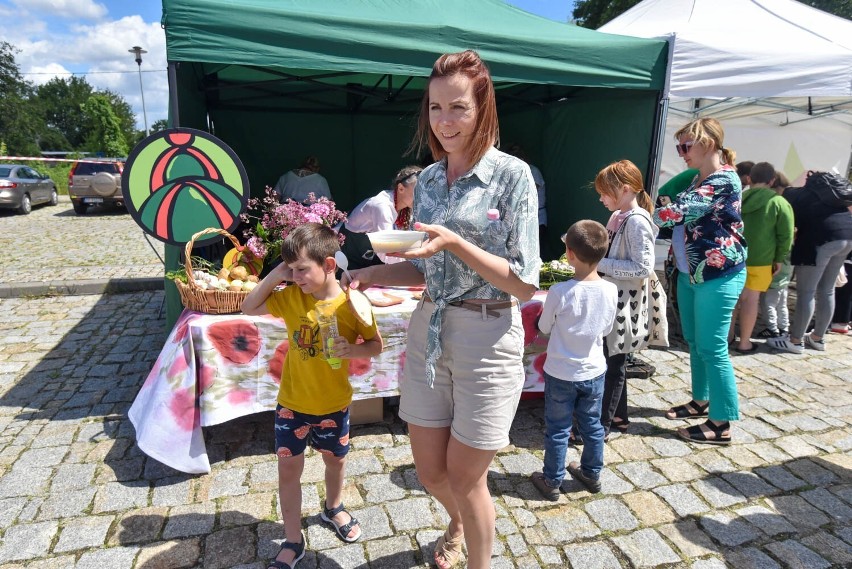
(105, 133)
(158, 125)
(61, 101)
(18, 121)
(593, 14)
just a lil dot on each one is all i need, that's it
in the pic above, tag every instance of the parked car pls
(21, 188)
(95, 183)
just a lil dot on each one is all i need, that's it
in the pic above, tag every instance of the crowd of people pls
(463, 371)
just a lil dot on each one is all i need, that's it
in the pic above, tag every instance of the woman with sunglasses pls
(464, 367)
(389, 209)
(710, 253)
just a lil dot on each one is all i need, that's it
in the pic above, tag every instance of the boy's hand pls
(342, 348)
(282, 272)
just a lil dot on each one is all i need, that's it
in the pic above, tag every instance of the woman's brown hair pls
(624, 172)
(487, 131)
(708, 132)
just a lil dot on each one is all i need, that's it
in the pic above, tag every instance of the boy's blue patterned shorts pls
(328, 434)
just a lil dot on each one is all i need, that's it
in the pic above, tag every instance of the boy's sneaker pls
(839, 328)
(818, 345)
(547, 491)
(784, 344)
(592, 485)
(767, 333)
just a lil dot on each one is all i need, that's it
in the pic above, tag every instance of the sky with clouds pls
(91, 37)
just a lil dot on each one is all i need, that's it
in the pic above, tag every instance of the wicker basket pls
(208, 301)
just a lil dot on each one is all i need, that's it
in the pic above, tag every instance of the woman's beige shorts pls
(478, 378)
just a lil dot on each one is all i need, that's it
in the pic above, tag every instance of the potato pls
(253, 279)
(239, 273)
(224, 274)
(249, 285)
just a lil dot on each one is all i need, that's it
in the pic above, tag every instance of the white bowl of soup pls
(395, 241)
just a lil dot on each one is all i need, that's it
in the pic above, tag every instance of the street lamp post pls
(138, 51)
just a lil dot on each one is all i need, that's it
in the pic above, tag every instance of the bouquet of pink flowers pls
(275, 220)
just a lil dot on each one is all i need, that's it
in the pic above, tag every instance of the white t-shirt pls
(578, 315)
(377, 213)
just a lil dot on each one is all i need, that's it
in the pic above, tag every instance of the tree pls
(158, 125)
(593, 14)
(105, 134)
(124, 112)
(18, 121)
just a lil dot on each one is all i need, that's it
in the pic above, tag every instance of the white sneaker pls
(784, 344)
(814, 344)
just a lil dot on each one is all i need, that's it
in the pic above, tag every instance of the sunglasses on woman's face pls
(683, 149)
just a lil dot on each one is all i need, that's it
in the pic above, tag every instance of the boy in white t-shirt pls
(578, 314)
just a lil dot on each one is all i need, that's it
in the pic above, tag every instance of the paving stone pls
(248, 509)
(189, 520)
(794, 554)
(67, 504)
(669, 447)
(610, 483)
(524, 517)
(688, 538)
(649, 508)
(138, 526)
(181, 554)
(392, 553)
(717, 492)
(831, 548)
(645, 548)
(566, 524)
(641, 474)
(766, 520)
(229, 482)
(610, 515)
(828, 503)
(9, 510)
(505, 526)
(751, 558)
(40, 458)
(114, 558)
(346, 556)
(24, 482)
(172, 492)
(780, 477)
(549, 555)
(413, 513)
(517, 545)
(228, 548)
(72, 477)
(677, 470)
(750, 484)
(712, 462)
(796, 447)
(727, 530)
(383, 488)
(358, 464)
(769, 452)
(798, 512)
(742, 457)
(83, 533)
(591, 556)
(523, 463)
(27, 541)
(683, 500)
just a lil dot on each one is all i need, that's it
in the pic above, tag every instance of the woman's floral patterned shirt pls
(709, 210)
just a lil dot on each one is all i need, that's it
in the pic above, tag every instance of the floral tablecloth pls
(214, 368)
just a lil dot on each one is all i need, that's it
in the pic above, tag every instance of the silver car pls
(95, 183)
(21, 188)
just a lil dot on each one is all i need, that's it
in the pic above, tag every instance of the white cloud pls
(41, 74)
(68, 9)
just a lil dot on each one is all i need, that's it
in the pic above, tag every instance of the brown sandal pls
(448, 549)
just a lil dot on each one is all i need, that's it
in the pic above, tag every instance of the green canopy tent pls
(278, 80)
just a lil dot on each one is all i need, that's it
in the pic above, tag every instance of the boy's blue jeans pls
(563, 402)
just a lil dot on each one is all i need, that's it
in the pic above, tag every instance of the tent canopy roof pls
(336, 44)
(746, 48)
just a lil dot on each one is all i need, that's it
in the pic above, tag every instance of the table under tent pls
(777, 73)
(278, 80)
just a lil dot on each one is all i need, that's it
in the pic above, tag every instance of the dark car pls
(21, 188)
(95, 183)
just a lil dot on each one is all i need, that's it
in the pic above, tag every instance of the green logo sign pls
(179, 181)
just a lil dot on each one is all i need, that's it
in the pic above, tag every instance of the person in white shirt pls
(389, 209)
(298, 184)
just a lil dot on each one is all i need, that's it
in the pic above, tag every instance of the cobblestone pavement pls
(75, 491)
(55, 244)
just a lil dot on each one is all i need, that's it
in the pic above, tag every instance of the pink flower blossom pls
(715, 258)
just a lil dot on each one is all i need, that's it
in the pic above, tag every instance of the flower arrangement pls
(274, 220)
(554, 272)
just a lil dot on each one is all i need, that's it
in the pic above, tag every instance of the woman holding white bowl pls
(464, 371)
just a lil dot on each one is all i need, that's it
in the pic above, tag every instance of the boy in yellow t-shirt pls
(314, 396)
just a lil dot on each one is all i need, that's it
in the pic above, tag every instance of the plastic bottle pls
(495, 241)
(328, 332)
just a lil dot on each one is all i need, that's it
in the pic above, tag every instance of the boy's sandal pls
(342, 530)
(448, 550)
(689, 410)
(699, 433)
(297, 548)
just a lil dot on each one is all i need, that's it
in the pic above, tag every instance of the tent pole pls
(174, 114)
(654, 175)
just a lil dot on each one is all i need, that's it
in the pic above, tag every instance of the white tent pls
(777, 73)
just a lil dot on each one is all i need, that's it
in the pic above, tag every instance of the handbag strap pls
(621, 230)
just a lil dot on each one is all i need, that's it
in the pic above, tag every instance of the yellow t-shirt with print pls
(308, 384)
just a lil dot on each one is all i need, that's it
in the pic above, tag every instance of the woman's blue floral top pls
(709, 211)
